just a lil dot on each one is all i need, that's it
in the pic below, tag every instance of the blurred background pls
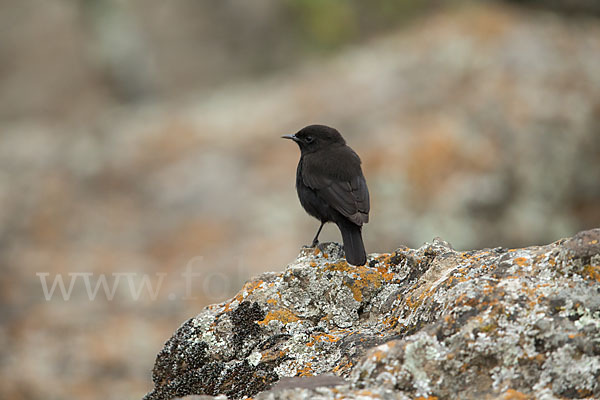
(141, 138)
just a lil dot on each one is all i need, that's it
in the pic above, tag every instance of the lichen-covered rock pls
(492, 323)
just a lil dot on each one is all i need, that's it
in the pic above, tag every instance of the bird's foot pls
(312, 245)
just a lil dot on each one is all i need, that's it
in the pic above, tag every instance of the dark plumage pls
(331, 186)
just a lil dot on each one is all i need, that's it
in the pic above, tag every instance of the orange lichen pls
(489, 327)
(540, 358)
(306, 371)
(512, 394)
(412, 303)
(283, 315)
(250, 287)
(269, 355)
(246, 291)
(367, 393)
(339, 266)
(460, 299)
(488, 289)
(386, 275)
(323, 337)
(378, 355)
(584, 393)
(364, 277)
(592, 271)
(342, 367)
(452, 280)
(384, 262)
(271, 301)
(521, 261)
(356, 293)
(390, 321)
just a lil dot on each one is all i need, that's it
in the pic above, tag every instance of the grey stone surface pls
(491, 323)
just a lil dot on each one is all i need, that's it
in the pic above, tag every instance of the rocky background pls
(142, 137)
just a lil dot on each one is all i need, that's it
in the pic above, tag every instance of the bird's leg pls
(315, 241)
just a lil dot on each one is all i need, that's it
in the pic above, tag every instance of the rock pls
(491, 323)
(308, 382)
(569, 7)
(203, 397)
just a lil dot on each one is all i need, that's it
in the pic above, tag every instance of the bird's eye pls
(309, 139)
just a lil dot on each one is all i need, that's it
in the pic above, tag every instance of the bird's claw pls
(311, 246)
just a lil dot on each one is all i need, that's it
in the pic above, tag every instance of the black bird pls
(331, 186)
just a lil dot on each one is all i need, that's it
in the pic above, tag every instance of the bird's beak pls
(293, 137)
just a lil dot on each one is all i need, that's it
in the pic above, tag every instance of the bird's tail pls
(354, 247)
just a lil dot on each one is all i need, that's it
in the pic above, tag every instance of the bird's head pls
(315, 137)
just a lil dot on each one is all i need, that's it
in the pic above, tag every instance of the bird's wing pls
(348, 194)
